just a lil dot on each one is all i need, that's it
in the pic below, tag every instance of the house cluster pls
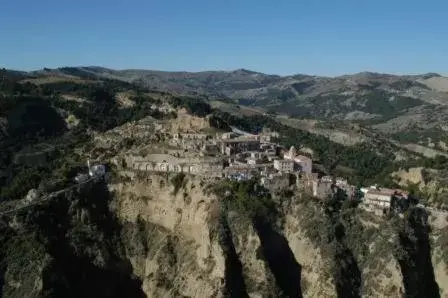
(251, 156)
(231, 155)
(203, 143)
(373, 198)
(241, 156)
(327, 185)
(304, 163)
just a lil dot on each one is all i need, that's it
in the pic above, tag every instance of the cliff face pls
(168, 239)
(190, 245)
(316, 280)
(439, 240)
(70, 247)
(415, 256)
(155, 236)
(200, 249)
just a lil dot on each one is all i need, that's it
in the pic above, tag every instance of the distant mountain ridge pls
(238, 84)
(399, 105)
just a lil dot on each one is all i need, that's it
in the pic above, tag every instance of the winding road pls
(241, 132)
(45, 198)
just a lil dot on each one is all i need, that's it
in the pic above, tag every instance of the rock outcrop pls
(155, 236)
(173, 253)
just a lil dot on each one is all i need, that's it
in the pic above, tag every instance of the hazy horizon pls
(223, 70)
(325, 38)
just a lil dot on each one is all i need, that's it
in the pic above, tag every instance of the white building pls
(305, 163)
(381, 197)
(265, 139)
(228, 135)
(290, 154)
(256, 154)
(341, 182)
(253, 161)
(284, 165)
(164, 108)
(96, 170)
(327, 179)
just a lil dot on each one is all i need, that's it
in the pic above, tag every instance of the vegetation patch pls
(179, 181)
(194, 106)
(327, 225)
(378, 102)
(248, 198)
(422, 136)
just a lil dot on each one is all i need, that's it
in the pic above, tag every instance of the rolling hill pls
(408, 109)
(139, 236)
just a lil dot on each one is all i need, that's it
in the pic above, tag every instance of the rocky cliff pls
(347, 254)
(169, 243)
(155, 236)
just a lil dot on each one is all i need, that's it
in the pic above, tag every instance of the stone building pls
(305, 181)
(276, 181)
(341, 182)
(246, 169)
(323, 189)
(228, 135)
(212, 149)
(270, 132)
(290, 154)
(257, 155)
(213, 169)
(253, 161)
(381, 198)
(305, 163)
(378, 198)
(163, 107)
(350, 190)
(190, 136)
(233, 146)
(270, 153)
(326, 178)
(284, 165)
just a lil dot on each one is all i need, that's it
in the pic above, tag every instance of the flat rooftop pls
(176, 160)
(240, 140)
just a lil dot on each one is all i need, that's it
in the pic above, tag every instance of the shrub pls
(194, 106)
(178, 182)
(248, 198)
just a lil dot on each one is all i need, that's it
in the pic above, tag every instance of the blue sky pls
(325, 37)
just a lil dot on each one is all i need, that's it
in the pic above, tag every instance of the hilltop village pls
(188, 145)
(161, 191)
